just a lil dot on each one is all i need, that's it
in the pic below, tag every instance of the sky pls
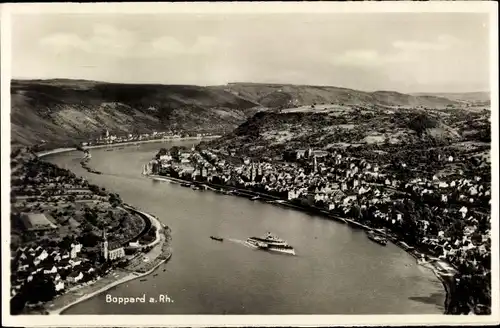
(405, 52)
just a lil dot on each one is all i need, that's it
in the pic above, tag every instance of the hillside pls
(467, 98)
(61, 110)
(287, 95)
(328, 127)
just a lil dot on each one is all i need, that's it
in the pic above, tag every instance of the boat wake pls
(239, 241)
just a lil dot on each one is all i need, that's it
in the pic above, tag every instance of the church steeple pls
(105, 245)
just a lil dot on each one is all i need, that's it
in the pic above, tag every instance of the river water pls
(337, 270)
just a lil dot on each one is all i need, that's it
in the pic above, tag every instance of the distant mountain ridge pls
(469, 97)
(289, 95)
(62, 111)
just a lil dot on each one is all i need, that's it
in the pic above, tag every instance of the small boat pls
(255, 198)
(195, 187)
(377, 238)
(185, 184)
(164, 270)
(155, 274)
(216, 238)
(143, 280)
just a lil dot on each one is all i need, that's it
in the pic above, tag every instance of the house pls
(51, 271)
(473, 191)
(59, 286)
(43, 255)
(362, 190)
(443, 184)
(75, 263)
(444, 198)
(463, 210)
(23, 267)
(134, 244)
(116, 253)
(75, 249)
(75, 277)
(349, 199)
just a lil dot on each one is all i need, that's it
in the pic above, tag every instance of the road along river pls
(337, 270)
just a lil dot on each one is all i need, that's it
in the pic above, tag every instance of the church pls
(111, 253)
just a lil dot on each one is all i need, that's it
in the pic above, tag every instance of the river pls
(337, 270)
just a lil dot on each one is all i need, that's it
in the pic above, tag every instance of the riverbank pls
(128, 143)
(158, 255)
(442, 270)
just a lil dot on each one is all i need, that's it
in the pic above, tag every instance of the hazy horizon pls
(401, 52)
(240, 82)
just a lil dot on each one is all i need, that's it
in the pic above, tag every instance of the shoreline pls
(132, 275)
(112, 145)
(445, 280)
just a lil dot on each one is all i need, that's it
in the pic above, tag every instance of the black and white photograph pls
(209, 160)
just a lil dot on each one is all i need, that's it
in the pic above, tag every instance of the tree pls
(40, 289)
(66, 242)
(90, 217)
(89, 239)
(161, 152)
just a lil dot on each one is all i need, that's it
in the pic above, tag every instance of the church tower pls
(105, 245)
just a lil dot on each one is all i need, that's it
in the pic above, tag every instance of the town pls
(113, 139)
(71, 238)
(441, 214)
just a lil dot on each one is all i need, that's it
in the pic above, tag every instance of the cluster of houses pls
(336, 182)
(108, 138)
(64, 269)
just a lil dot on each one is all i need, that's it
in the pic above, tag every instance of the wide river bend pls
(337, 270)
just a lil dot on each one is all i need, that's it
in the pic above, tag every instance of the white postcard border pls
(7, 10)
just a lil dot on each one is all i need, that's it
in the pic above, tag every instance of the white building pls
(51, 271)
(59, 286)
(463, 210)
(75, 249)
(134, 244)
